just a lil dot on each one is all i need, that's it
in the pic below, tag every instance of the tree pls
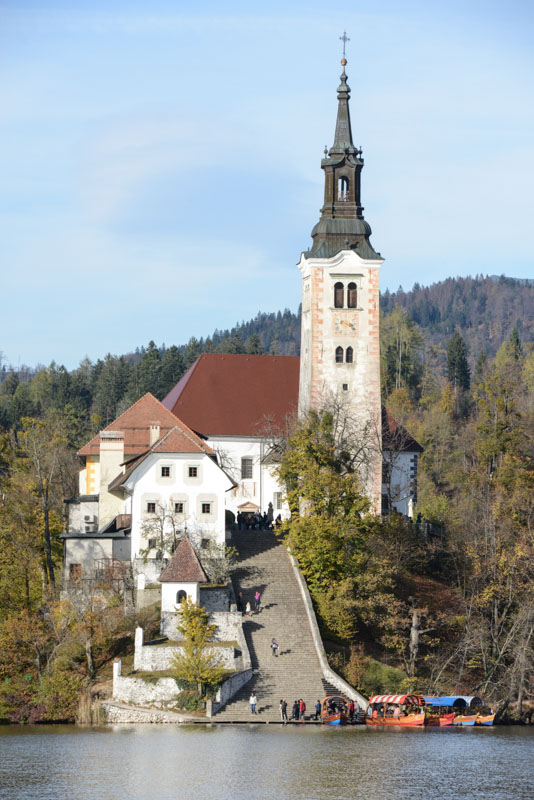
(458, 372)
(254, 345)
(218, 561)
(48, 463)
(165, 527)
(197, 665)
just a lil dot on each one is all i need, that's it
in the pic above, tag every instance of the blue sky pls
(160, 161)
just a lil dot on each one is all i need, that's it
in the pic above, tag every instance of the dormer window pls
(352, 296)
(338, 295)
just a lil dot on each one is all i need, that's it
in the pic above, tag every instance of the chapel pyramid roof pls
(184, 566)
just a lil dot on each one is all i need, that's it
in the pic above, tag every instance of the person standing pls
(274, 648)
(351, 711)
(257, 602)
(318, 710)
(247, 609)
(283, 710)
(302, 709)
(295, 710)
(253, 700)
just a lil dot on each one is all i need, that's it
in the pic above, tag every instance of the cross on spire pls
(344, 39)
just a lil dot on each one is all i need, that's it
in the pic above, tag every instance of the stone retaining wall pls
(120, 715)
(328, 673)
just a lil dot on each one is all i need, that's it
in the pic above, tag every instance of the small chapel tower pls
(340, 349)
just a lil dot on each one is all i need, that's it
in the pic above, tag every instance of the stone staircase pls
(264, 564)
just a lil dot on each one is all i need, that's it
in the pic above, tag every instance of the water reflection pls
(257, 761)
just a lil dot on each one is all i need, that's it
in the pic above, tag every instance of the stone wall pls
(139, 692)
(156, 658)
(123, 715)
(228, 624)
(214, 599)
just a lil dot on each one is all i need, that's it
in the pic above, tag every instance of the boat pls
(396, 709)
(334, 710)
(459, 710)
(485, 719)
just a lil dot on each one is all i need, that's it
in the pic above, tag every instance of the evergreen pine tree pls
(254, 345)
(514, 345)
(458, 372)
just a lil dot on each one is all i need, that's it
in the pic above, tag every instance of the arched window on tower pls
(343, 189)
(181, 595)
(338, 295)
(348, 355)
(352, 296)
(339, 355)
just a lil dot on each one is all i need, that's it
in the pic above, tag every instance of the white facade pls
(189, 489)
(243, 457)
(170, 592)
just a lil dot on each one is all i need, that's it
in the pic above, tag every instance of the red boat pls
(396, 709)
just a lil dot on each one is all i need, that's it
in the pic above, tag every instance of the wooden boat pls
(484, 719)
(334, 710)
(396, 709)
(463, 710)
(463, 720)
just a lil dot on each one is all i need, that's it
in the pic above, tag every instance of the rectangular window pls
(345, 387)
(206, 508)
(193, 472)
(178, 508)
(165, 472)
(277, 500)
(246, 468)
(75, 572)
(151, 508)
(152, 544)
(204, 544)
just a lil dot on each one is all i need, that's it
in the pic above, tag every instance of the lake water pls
(145, 762)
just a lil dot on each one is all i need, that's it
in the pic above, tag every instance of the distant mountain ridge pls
(484, 309)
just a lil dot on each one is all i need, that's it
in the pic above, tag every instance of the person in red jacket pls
(302, 709)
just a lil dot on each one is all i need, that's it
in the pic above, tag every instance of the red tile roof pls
(178, 440)
(395, 437)
(236, 395)
(184, 566)
(181, 439)
(135, 423)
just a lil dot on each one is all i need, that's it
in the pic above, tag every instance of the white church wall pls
(261, 487)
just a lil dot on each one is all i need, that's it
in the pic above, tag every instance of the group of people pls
(254, 521)
(247, 608)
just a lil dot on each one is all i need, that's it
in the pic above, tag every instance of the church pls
(195, 460)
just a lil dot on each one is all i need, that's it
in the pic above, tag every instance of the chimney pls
(154, 432)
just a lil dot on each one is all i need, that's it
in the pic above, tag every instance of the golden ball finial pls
(343, 62)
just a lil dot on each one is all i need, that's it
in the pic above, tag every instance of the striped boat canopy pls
(401, 699)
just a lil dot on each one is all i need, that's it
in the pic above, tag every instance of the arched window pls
(343, 189)
(339, 355)
(352, 296)
(348, 355)
(181, 595)
(338, 295)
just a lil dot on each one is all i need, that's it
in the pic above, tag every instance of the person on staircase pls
(283, 710)
(302, 709)
(257, 602)
(274, 648)
(318, 710)
(253, 700)
(295, 711)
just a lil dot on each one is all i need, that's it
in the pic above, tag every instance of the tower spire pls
(342, 225)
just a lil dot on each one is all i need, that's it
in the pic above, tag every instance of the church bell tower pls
(340, 346)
